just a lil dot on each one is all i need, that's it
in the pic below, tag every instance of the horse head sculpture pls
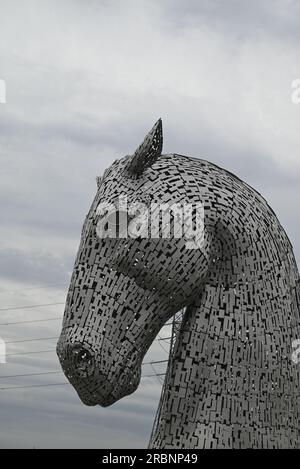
(167, 232)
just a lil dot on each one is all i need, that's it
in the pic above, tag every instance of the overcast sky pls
(85, 82)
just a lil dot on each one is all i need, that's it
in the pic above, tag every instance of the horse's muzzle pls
(94, 368)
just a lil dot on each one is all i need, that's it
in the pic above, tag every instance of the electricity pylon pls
(176, 323)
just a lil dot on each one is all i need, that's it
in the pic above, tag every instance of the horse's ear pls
(147, 153)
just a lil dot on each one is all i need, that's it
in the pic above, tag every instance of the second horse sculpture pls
(232, 382)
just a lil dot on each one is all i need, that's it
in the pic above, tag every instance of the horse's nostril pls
(81, 356)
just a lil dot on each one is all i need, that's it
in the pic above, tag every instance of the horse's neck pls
(232, 382)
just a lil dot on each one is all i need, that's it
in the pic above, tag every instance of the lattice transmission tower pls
(176, 324)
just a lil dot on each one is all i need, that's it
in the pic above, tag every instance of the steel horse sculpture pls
(232, 382)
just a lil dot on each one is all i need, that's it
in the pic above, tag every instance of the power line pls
(31, 374)
(56, 337)
(155, 374)
(58, 371)
(155, 362)
(30, 306)
(53, 350)
(33, 288)
(160, 344)
(34, 386)
(32, 321)
(60, 317)
(29, 353)
(29, 340)
(61, 384)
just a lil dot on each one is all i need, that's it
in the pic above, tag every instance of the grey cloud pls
(85, 82)
(34, 267)
(246, 20)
